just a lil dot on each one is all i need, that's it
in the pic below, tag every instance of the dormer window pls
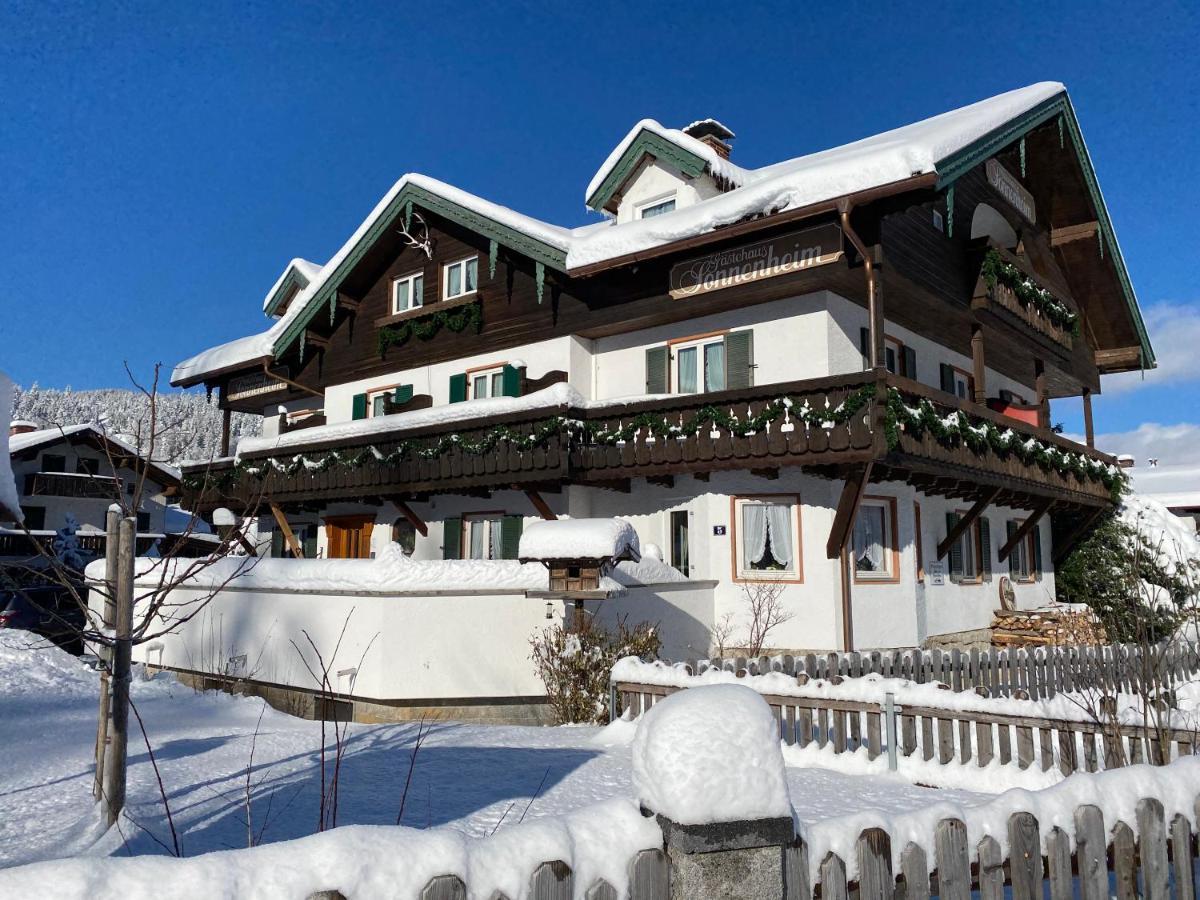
(656, 207)
(460, 278)
(407, 292)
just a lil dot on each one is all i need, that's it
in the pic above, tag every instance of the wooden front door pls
(349, 537)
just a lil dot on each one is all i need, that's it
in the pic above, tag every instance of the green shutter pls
(956, 557)
(402, 394)
(511, 386)
(452, 538)
(864, 346)
(1010, 530)
(458, 387)
(658, 363)
(947, 378)
(360, 406)
(309, 542)
(985, 547)
(1037, 551)
(910, 364)
(510, 536)
(739, 359)
(277, 543)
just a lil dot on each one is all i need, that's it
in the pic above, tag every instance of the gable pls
(645, 145)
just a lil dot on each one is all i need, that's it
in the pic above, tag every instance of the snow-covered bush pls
(574, 664)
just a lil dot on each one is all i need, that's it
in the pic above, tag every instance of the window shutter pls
(309, 542)
(277, 543)
(510, 536)
(402, 394)
(947, 378)
(1010, 530)
(452, 538)
(658, 362)
(1037, 551)
(956, 558)
(864, 346)
(910, 363)
(739, 359)
(458, 387)
(511, 382)
(360, 406)
(985, 547)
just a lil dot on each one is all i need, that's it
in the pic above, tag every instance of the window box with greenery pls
(874, 545)
(766, 538)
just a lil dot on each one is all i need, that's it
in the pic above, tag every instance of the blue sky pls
(162, 162)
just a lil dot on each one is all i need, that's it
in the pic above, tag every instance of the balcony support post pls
(226, 414)
(408, 513)
(1026, 527)
(960, 527)
(1043, 403)
(979, 372)
(288, 534)
(853, 489)
(1088, 429)
(542, 507)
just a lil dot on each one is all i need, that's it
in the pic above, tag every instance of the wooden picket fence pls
(1149, 858)
(1036, 672)
(947, 735)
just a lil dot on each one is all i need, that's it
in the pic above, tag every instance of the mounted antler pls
(423, 243)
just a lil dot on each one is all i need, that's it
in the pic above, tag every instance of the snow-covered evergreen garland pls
(427, 326)
(996, 271)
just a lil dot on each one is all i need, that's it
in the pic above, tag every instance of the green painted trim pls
(292, 279)
(951, 168)
(657, 146)
(537, 250)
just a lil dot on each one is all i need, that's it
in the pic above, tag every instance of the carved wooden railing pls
(1002, 297)
(61, 484)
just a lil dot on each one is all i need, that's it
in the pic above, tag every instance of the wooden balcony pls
(63, 484)
(1001, 300)
(828, 426)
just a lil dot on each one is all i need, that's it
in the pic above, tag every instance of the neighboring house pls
(1177, 487)
(833, 373)
(69, 476)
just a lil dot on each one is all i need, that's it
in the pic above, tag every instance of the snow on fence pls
(1038, 672)
(930, 722)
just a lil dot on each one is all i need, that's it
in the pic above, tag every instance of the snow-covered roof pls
(1174, 486)
(30, 439)
(579, 539)
(892, 157)
(10, 505)
(299, 272)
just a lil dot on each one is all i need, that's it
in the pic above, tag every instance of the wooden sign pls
(789, 252)
(251, 386)
(1011, 190)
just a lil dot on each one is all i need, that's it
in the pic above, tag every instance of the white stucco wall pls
(659, 180)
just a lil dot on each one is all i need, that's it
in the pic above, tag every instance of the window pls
(971, 554)
(407, 292)
(962, 385)
(655, 208)
(375, 403)
(404, 533)
(54, 462)
(874, 546)
(483, 534)
(460, 278)
(765, 538)
(920, 542)
(1024, 562)
(85, 466)
(893, 355)
(143, 521)
(35, 517)
(700, 366)
(679, 540)
(486, 383)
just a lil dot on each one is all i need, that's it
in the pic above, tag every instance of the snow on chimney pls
(21, 426)
(1125, 460)
(713, 133)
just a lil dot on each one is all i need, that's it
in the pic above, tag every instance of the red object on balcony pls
(1020, 411)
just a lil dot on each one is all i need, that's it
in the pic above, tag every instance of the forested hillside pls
(188, 426)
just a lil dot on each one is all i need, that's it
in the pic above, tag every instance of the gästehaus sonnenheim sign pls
(735, 266)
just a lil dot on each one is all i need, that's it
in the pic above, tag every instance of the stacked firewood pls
(1050, 626)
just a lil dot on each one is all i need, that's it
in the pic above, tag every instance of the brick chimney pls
(713, 133)
(21, 426)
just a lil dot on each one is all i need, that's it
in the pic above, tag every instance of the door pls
(679, 541)
(349, 537)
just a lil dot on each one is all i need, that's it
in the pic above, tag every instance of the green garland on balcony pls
(718, 417)
(426, 327)
(996, 270)
(956, 428)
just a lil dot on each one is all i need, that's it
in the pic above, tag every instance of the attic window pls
(656, 208)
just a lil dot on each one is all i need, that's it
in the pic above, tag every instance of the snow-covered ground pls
(476, 779)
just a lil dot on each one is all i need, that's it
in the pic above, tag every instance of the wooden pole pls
(288, 534)
(225, 417)
(875, 310)
(979, 372)
(115, 759)
(1039, 370)
(1088, 430)
(112, 519)
(847, 601)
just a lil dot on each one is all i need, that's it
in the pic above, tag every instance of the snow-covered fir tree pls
(188, 426)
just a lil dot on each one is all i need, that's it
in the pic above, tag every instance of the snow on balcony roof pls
(29, 439)
(579, 539)
(305, 273)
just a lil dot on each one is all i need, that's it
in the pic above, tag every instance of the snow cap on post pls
(613, 539)
(711, 754)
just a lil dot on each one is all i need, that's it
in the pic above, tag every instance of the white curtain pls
(687, 370)
(868, 539)
(779, 526)
(754, 533)
(478, 531)
(497, 534)
(714, 367)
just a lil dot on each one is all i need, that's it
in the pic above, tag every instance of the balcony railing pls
(65, 484)
(909, 431)
(1003, 298)
(91, 544)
